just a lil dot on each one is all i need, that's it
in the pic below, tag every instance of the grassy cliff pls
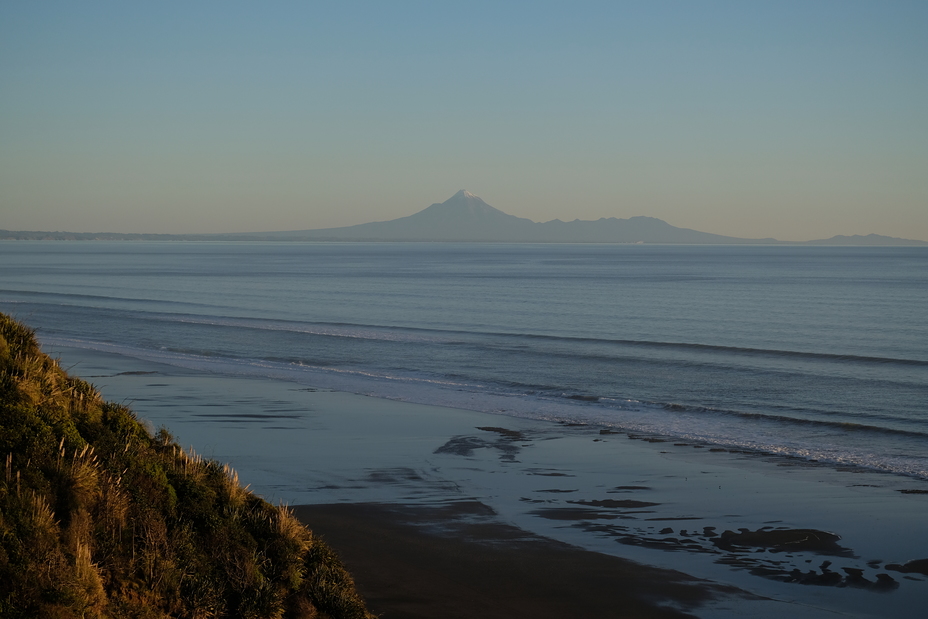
(100, 518)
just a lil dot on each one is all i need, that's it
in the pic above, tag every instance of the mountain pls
(466, 217)
(462, 217)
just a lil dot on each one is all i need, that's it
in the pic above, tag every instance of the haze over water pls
(819, 353)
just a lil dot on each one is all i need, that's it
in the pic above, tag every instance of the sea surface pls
(819, 353)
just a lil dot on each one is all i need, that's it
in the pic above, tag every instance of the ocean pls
(816, 353)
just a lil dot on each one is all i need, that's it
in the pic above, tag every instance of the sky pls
(796, 120)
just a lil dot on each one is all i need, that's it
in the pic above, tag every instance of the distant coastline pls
(857, 240)
(465, 217)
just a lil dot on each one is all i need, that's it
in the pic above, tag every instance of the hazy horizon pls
(791, 120)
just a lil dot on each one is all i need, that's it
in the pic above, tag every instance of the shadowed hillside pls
(100, 518)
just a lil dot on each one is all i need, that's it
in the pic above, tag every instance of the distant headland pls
(465, 217)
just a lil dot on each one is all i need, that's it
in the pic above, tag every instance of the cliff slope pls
(101, 518)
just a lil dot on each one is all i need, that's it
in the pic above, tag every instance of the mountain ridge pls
(465, 217)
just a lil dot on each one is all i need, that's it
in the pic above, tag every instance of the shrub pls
(99, 518)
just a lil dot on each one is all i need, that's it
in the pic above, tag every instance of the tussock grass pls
(101, 518)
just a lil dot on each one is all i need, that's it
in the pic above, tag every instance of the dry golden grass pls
(101, 518)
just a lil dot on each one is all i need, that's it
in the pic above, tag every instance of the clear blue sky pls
(796, 120)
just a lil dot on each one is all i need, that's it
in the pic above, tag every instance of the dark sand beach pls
(453, 513)
(456, 560)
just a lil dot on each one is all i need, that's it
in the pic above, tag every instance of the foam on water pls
(791, 354)
(899, 452)
(814, 353)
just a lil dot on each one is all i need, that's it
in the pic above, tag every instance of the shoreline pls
(657, 504)
(458, 560)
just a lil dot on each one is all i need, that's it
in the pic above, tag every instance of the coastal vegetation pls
(101, 517)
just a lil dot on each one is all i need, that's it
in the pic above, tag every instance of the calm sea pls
(811, 352)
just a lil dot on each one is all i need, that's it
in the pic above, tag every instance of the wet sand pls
(486, 507)
(416, 562)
